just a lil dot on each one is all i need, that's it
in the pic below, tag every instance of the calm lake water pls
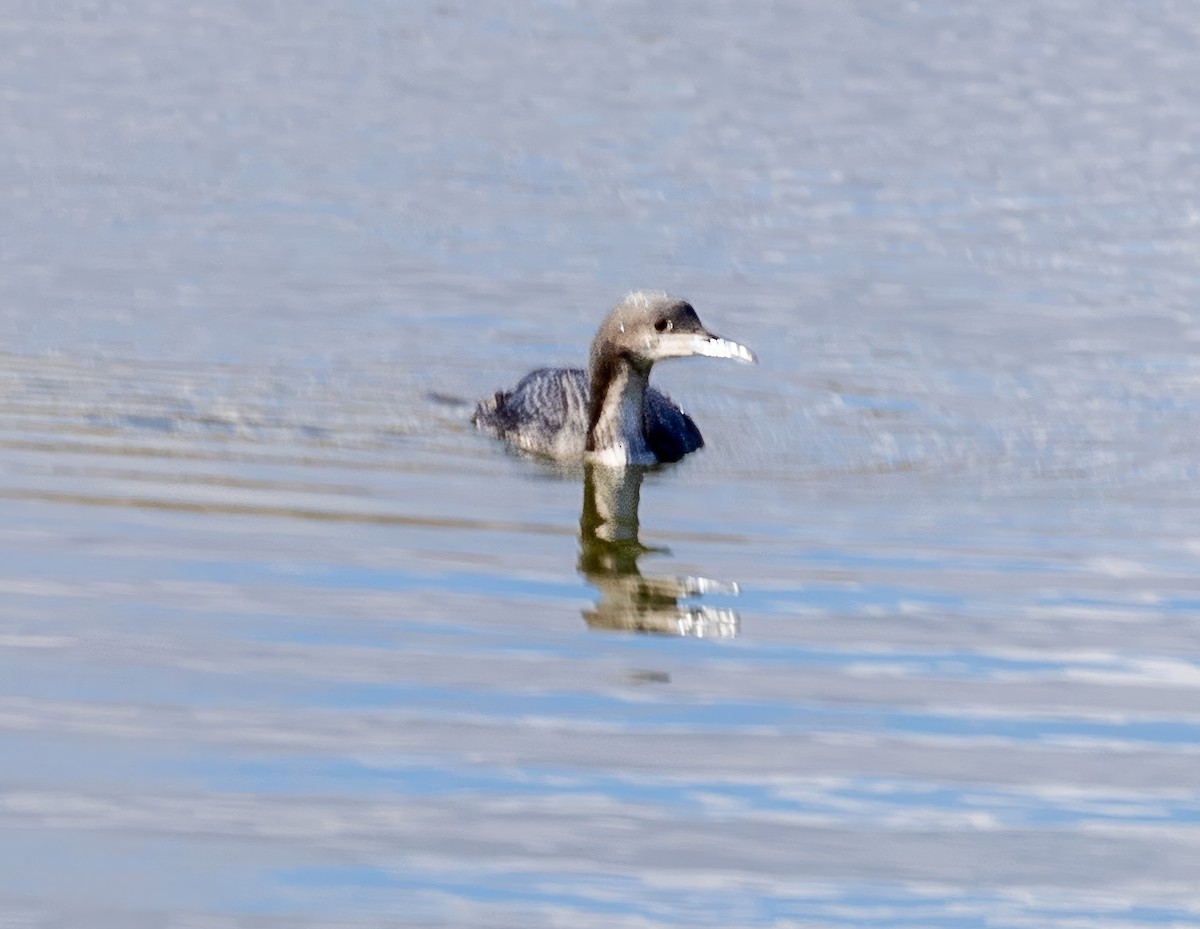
(913, 642)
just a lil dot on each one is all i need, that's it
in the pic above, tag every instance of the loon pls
(610, 414)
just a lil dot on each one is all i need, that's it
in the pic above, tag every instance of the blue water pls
(285, 642)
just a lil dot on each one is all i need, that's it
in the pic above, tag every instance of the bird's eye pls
(663, 325)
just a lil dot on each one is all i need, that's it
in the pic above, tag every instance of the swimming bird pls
(609, 414)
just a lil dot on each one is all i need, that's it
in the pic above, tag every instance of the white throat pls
(618, 434)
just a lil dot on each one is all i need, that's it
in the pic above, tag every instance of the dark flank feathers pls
(548, 412)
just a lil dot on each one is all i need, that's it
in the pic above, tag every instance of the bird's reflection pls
(608, 558)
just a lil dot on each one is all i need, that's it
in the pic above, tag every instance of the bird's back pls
(547, 414)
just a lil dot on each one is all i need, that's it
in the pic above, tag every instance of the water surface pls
(284, 642)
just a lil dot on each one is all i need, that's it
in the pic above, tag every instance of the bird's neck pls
(617, 412)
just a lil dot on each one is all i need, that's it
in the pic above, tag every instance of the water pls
(283, 642)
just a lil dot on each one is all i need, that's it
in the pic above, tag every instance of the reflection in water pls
(608, 558)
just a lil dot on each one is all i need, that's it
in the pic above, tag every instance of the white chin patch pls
(723, 348)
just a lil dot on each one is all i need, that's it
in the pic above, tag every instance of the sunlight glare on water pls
(910, 642)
